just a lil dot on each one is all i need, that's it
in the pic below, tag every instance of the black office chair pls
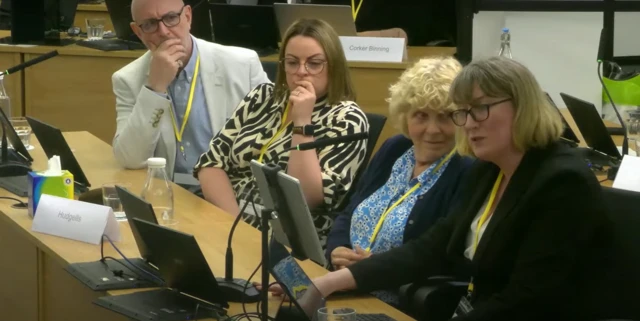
(271, 68)
(376, 124)
(610, 282)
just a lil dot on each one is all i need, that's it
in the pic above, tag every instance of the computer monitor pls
(53, 143)
(41, 21)
(246, 26)
(136, 207)
(180, 262)
(591, 126)
(120, 15)
(339, 17)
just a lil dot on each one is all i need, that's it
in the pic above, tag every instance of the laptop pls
(53, 143)
(591, 126)
(120, 15)
(296, 231)
(187, 274)
(136, 207)
(339, 17)
(568, 135)
(17, 185)
(247, 26)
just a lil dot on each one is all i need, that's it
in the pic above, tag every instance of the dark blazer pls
(427, 209)
(528, 261)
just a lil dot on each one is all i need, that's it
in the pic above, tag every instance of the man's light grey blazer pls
(144, 127)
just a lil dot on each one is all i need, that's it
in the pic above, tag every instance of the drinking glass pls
(95, 28)
(22, 128)
(110, 198)
(336, 314)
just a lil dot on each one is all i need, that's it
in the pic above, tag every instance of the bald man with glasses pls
(171, 101)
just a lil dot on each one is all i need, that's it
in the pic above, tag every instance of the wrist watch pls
(305, 130)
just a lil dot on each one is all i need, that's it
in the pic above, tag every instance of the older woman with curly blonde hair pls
(411, 180)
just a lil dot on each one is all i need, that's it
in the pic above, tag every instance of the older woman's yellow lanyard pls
(355, 10)
(180, 131)
(283, 127)
(378, 227)
(483, 219)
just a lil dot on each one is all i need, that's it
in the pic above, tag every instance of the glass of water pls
(22, 128)
(95, 28)
(336, 314)
(110, 198)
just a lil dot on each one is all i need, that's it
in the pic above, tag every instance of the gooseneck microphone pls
(331, 141)
(604, 41)
(30, 63)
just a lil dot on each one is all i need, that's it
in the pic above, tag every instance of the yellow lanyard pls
(483, 219)
(378, 227)
(283, 127)
(355, 10)
(180, 131)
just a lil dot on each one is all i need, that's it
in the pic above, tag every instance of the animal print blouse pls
(255, 122)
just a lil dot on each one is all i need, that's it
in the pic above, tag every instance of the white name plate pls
(75, 220)
(373, 49)
(628, 176)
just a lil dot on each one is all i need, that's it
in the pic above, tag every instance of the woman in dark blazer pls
(529, 214)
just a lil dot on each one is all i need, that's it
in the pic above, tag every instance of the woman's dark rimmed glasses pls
(479, 112)
(170, 20)
(313, 66)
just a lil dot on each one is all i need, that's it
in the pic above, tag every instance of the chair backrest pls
(612, 284)
(376, 123)
(271, 68)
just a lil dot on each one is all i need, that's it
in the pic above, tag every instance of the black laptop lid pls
(180, 261)
(135, 207)
(568, 133)
(591, 125)
(246, 26)
(120, 15)
(294, 281)
(12, 137)
(53, 143)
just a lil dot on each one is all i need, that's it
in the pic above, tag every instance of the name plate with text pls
(75, 220)
(373, 49)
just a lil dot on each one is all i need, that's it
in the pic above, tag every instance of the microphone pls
(236, 290)
(331, 141)
(29, 63)
(604, 40)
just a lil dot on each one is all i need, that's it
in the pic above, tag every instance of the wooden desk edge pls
(100, 7)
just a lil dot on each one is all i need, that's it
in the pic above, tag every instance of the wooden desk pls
(92, 11)
(35, 286)
(73, 91)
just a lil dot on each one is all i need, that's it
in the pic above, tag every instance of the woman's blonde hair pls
(339, 86)
(536, 123)
(424, 86)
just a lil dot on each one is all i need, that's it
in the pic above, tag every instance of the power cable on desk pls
(23, 204)
(102, 258)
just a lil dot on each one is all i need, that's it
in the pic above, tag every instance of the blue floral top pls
(366, 215)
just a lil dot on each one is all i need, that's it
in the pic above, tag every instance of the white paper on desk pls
(75, 220)
(628, 176)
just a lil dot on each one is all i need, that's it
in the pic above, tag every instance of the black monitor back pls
(41, 21)
(247, 26)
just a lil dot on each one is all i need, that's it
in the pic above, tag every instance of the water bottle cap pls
(156, 162)
(505, 29)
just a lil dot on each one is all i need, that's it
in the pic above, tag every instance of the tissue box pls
(56, 185)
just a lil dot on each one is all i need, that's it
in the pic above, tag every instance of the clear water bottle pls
(5, 102)
(157, 191)
(505, 44)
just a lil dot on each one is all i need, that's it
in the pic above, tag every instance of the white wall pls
(626, 39)
(559, 47)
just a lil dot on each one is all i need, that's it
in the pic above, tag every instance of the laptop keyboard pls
(18, 185)
(373, 317)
